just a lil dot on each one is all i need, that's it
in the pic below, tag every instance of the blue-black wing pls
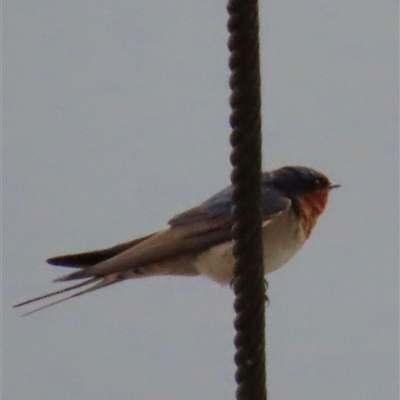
(221, 204)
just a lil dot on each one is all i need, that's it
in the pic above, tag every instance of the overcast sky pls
(115, 118)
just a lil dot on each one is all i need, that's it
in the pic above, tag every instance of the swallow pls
(199, 242)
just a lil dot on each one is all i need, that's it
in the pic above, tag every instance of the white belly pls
(282, 238)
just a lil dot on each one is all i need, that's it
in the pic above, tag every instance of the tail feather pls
(105, 281)
(99, 285)
(83, 261)
(55, 293)
(81, 274)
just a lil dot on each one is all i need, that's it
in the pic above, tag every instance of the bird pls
(199, 242)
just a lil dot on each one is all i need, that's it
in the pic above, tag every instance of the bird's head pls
(298, 181)
(307, 187)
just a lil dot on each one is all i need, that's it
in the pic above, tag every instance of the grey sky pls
(115, 118)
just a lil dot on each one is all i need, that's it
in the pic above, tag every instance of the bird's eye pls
(321, 183)
(317, 182)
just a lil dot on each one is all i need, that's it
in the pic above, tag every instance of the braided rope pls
(245, 120)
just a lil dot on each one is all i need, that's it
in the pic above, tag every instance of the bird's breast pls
(283, 236)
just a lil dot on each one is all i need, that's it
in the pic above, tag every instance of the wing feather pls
(166, 244)
(81, 260)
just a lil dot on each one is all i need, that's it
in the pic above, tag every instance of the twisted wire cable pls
(245, 120)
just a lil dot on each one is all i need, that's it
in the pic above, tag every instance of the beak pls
(334, 185)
